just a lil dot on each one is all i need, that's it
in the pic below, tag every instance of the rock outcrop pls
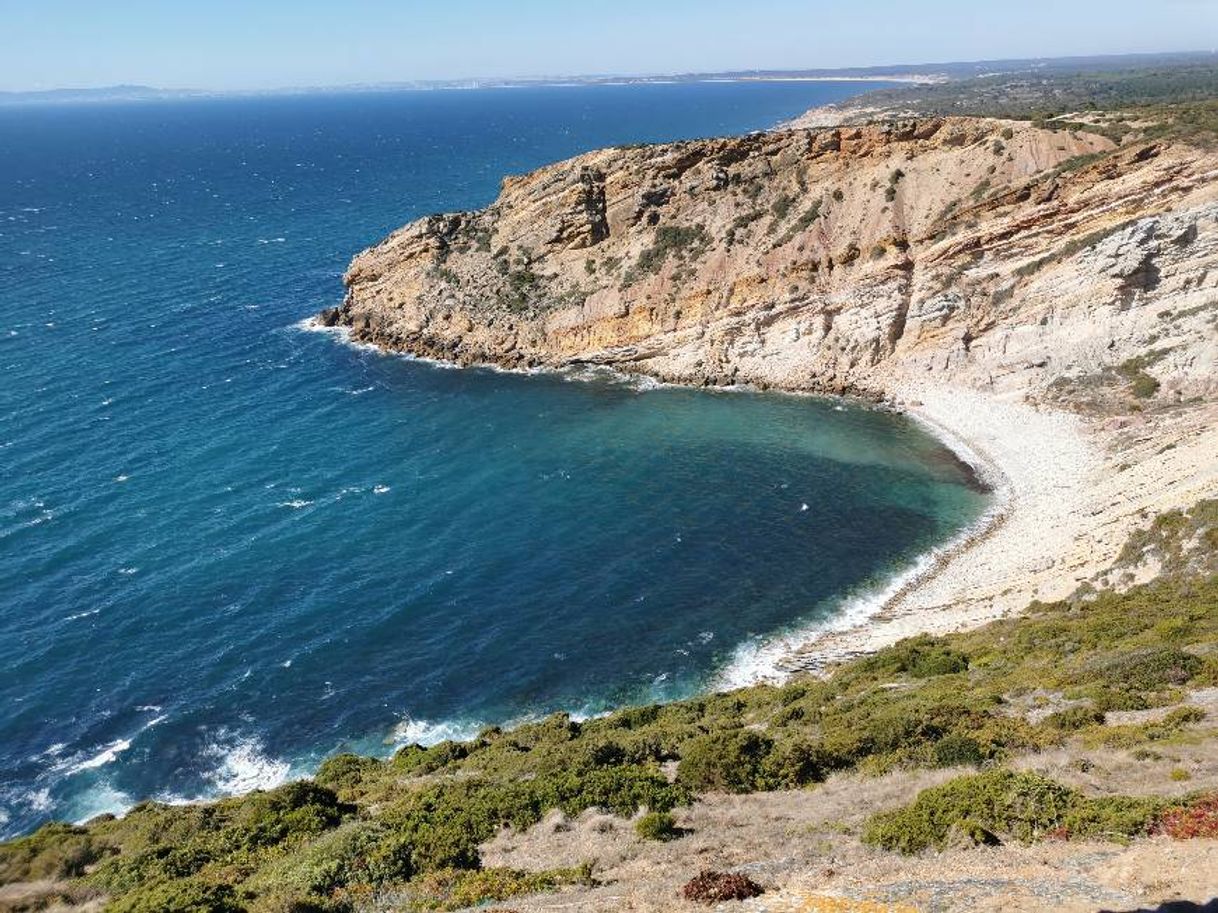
(986, 253)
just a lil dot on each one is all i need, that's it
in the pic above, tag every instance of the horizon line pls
(909, 71)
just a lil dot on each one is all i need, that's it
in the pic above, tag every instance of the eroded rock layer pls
(991, 254)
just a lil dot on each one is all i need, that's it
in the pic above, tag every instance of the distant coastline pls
(119, 94)
(911, 74)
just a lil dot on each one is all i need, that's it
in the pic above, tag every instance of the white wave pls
(106, 756)
(242, 765)
(380, 489)
(102, 799)
(36, 800)
(295, 504)
(80, 615)
(410, 731)
(109, 754)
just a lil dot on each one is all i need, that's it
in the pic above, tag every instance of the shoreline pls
(976, 578)
(1068, 491)
(850, 631)
(864, 621)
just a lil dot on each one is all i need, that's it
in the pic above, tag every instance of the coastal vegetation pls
(405, 831)
(1155, 102)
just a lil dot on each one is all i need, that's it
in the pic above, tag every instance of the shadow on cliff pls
(1175, 906)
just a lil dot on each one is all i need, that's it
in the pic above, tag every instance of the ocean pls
(230, 546)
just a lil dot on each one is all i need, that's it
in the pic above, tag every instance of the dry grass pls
(802, 846)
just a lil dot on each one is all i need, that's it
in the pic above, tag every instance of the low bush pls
(53, 851)
(1023, 806)
(1149, 669)
(958, 750)
(455, 889)
(731, 761)
(1020, 805)
(1112, 818)
(179, 897)
(1075, 718)
(922, 656)
(660, 826)
(346, 772)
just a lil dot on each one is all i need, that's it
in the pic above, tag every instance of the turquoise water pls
(229, 546)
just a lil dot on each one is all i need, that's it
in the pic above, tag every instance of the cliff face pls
(981, 253)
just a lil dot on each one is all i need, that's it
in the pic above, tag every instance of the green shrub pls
(672, 240)
(922, 656)
(53, 851)
(1002, 803)
(1075, 718)
(795, 764)
(454, 889)
(178, 897)
(958, 750)
(782, 206)
(430, 760)
(1112, 817)
(346, 771)
(1149, 669)
(1184, 716)
(731, 761)
(1024, 806)
(659, 826)
(358, 851)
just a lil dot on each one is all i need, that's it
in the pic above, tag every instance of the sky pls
(265, 44)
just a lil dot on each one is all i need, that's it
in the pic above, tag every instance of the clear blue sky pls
(236, 44)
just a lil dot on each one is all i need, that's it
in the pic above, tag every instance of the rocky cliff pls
(983, 253)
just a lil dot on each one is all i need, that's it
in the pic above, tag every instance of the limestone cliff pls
(989, 254)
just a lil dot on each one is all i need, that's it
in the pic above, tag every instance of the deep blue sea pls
(229, 546)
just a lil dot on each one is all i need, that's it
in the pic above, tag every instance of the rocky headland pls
(1044, 296)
